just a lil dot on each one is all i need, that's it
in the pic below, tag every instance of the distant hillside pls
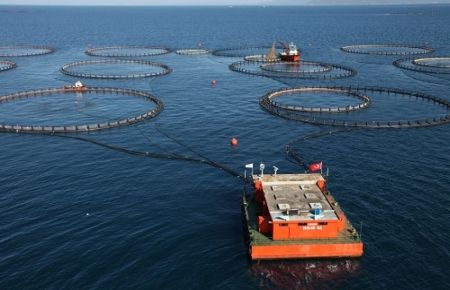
(351, 2)
(371, 2)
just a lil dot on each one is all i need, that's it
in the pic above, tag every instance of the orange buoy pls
(213, 82)
(234, 141)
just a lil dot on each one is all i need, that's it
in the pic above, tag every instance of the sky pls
(206, 2)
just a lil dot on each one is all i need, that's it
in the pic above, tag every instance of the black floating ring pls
(66, 69)
(359, 49)
(412, 65)
(192, 51)
(234, 51)
(260, 58)
(103, 51)
(7, 65)
(321, 68)
(45, 129)
(287, 113)
(340, 71)
(39, 50)
(270, 99)
(419, 62)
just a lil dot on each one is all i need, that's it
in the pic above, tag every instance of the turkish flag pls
(313, 167)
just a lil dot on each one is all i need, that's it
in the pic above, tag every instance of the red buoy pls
(234, 141)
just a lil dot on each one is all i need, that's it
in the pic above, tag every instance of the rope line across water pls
(46, 129)
(149, 154)
(295, 157)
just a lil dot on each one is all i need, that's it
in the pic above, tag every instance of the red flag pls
(313, 167)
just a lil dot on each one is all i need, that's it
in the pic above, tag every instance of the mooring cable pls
(154, 155)
(181, 144)
(295, 157)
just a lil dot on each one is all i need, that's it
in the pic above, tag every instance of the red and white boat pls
(290, 53)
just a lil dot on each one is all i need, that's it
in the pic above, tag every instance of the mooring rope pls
(295, 157)
(155, 155)
(182, 144)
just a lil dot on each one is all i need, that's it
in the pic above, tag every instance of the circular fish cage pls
(321, 116)
(241, 51)
(304, 67)
(386, 49)
(433, 65)
(46, 129)
(24, 50)
(142, 69)
(272, 98)
(259, 58)
(300, 70)
(127, 51)
(7, 65)
(434, 62)
(192, 51)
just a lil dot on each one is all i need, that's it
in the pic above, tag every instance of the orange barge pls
(294, 216)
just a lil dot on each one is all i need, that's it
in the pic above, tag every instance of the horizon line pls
(224, 5)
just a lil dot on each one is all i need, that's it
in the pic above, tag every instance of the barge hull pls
(292, 251)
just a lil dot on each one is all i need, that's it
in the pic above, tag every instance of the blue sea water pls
(78, 216)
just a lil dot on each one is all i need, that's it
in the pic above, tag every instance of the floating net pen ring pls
(290, 114)
(254, 68)
(192, 51)
(238, 51)
(24, 50)
(317, 67)
(7, 65)
(270, 98)
(68, 69)
(412, 64)
(120, 51)
(386, 49)
(45, 129)
(425, 62)
(260, 58)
